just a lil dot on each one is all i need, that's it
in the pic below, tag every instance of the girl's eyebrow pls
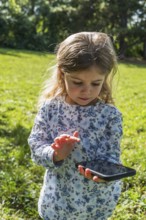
(97, 80)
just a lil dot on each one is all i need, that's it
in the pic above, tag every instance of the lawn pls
(21, 76)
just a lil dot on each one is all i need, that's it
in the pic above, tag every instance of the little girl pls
(77, 121)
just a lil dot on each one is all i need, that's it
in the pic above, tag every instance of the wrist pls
(56, 158)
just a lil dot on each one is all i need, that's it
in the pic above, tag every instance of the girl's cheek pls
(74, 89)
(99, 90)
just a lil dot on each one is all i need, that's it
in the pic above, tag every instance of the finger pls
(98, 180)
(56, 139)
(76, 139)
(73, 140)
(88, 174)
(64, 138)
(95, 178)
(55, 146)
(64, 135)
(69, 140)
(59, 141)
(81, 170)
(61, 138)
(76, 134)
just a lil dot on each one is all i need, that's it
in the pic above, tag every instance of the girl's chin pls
(81, 101)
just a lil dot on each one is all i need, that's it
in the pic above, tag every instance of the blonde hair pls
(78, 52)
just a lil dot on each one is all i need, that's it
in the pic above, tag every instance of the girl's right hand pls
(63, 145)
(87, 174)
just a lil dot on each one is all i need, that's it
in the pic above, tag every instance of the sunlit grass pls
(21, 76)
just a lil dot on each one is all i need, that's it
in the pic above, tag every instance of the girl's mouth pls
(84, 99)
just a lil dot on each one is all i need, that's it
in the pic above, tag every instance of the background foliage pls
(22, 74)
(41, 24)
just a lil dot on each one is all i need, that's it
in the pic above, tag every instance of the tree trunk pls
(144, 49)
(123, 31)
(122, 46)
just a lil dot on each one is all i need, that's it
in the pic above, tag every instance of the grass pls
(130, 98)
(21, 77)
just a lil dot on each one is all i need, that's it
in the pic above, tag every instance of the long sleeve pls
(111, 137)
(40, 140)
(114, 134)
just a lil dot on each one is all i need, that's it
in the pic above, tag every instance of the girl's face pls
(83, 87)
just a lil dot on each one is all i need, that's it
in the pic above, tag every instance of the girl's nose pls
(86, 89)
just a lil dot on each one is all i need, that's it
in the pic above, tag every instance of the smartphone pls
(106, 170)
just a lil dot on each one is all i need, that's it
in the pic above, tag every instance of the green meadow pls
(21, 76)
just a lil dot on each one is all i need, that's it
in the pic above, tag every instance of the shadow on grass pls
(18, 135)
(15, 141)
(20, 53)
(19, 180)
(134, 62)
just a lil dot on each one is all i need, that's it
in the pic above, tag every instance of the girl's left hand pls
(87, 173)
(63, 145)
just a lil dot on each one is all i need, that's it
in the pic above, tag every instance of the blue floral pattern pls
(67, 195)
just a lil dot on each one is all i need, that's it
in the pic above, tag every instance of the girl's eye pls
(80, 83)
(77, 83)
(96, 84)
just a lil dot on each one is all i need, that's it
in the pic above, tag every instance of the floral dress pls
(66, 194)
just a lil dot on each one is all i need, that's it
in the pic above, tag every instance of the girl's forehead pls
(92, 73)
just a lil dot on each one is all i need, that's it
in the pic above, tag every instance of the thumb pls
(76, 134)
